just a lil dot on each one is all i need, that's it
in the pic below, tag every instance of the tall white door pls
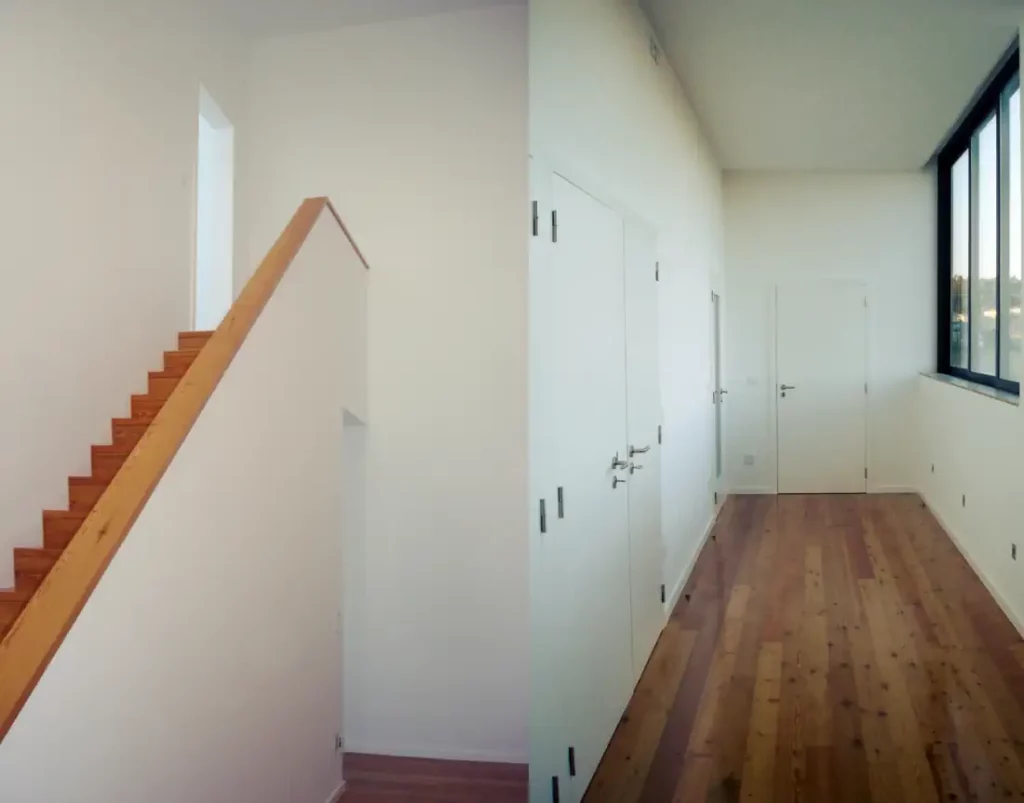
(591, 550)
(718, 392)
(644, 417)
(821, 341)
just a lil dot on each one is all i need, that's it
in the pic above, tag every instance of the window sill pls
(976, 387)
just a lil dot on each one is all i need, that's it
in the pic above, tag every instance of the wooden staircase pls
(31, 565)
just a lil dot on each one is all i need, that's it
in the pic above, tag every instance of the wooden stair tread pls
(111, 450)
(60, 526)
(35, 560)
(16, 594)
(193, 340)
(87, 482)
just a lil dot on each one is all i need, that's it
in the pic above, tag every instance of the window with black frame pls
(979, 182)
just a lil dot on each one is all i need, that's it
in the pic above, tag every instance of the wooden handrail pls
(39, 631)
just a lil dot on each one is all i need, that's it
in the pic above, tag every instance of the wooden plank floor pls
(833, 648)
(385, 779)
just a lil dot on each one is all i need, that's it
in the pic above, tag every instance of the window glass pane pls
(984, 315)
(959, 336)
(1011, 291)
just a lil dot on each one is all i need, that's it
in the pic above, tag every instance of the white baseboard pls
(370, 747)
(680, 584)
(892, 489)
(998, 597)
(755, 490)
(336, 795)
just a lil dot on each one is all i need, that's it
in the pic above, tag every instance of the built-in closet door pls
(590, 398)
(643, 394)
(550, 547)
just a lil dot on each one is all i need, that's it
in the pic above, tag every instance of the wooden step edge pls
(87, 482)
(17, 594)
(110, 450)
(169, 373)
(142, 423)
(35, 560)
(193, 340)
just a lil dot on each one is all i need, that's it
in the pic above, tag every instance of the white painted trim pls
(337, 793)
(1000, 600)
(677, 589)
(893, 489)
(433, 752)
(757, 490)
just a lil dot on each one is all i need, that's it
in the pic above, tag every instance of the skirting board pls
(355, 745)
(336, 796)
(677, 589)
(755, 490)
(892, 489)
(1000, 600)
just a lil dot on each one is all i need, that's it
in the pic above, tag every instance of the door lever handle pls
(634, 451)
(617, 464)
(787, 387)
(616, 482)
(633, 467)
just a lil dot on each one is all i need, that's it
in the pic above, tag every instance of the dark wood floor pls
(832, 649)
(383, 779)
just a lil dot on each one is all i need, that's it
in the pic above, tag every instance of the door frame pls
(774, 367)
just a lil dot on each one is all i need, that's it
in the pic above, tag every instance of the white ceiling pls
(274, 17)
(831, 84)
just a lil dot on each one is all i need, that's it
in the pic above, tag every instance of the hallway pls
(826, 648)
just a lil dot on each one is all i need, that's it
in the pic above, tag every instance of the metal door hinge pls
(339, 744)
(657, 271)
(865, 473)
(543, 516)
(716, 497)
(561, 502)
(572, 762)
(554, 225)
(662, 592)
(865, 388)
(536, 219)
(659, 434)
(554, 789)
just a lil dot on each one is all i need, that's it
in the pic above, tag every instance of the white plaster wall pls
(417, 131)
(876, 227)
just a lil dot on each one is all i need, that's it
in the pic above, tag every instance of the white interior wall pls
(97, 203)
(974, 444)
(417, 131)
(969, 461)
(604, 115)
(877, 227)
(205, 667)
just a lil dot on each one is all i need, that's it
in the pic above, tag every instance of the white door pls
(718, 392)
(550, 546)
(644, 417)
(591, 550)
(821, 334)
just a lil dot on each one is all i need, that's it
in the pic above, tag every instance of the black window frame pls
(987, 104)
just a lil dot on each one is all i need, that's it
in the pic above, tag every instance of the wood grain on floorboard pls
(826, 648)
(386, 779)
